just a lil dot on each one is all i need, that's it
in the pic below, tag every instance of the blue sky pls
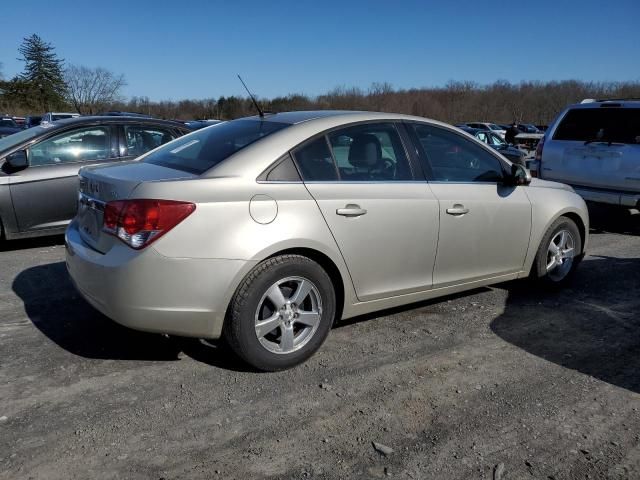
(194, 48)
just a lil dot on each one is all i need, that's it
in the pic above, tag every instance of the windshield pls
(616, 125)
(493, 126)
(11, 141)
(198, 152)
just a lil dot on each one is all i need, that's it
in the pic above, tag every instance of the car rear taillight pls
(142, 221)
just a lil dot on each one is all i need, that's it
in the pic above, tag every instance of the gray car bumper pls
(146, 291)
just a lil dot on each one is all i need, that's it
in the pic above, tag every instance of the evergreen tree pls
(43, 73)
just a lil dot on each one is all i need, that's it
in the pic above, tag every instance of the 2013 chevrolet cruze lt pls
(267, 230)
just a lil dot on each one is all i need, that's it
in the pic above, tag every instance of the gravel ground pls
(503, 382)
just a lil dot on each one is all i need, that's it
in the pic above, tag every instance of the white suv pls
(594, 146)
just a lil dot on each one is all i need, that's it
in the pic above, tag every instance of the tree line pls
(47, 84)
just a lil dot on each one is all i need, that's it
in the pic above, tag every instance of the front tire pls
(281, 313)
(559, 253)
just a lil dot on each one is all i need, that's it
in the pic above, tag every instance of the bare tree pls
(92, 89)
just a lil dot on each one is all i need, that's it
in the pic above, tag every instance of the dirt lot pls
(507, 381)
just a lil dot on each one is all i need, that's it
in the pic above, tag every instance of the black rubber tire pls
(239, 328)
(539, 267)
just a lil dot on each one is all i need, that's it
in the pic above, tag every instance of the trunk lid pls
(99, 185)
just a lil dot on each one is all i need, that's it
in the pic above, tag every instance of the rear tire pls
(281, 313)
(559, 254)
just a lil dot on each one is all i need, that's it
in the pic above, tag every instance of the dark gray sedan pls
(39, 166)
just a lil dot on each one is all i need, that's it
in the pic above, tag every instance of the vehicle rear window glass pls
(202, 150)
(617, 125)
(140, 139)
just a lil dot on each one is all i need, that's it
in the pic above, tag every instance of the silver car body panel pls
(405, 248)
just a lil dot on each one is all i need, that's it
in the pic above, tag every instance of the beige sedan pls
(267, 230)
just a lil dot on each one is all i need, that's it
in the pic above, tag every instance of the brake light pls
(141, 221)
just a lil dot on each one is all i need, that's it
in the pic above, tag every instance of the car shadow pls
(59, 312)
(408, 307)
(610, 220)
(592, 327)
(35, 242)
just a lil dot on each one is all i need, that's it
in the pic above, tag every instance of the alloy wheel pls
(560, 255)
(288, 315)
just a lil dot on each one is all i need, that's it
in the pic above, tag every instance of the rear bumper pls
(609, 197)
(147, 291)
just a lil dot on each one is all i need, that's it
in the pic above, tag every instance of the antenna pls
(260, 112)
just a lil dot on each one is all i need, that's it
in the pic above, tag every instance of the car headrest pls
(365, 151)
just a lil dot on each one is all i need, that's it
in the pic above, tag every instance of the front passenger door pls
(484, 224)
(45, 194)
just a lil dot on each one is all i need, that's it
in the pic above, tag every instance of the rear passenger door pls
(484, 224)
(384, 221)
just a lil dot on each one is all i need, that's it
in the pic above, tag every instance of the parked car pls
(8, 126)
(496, 142)
(19, 120)
(595, 147)
(267, 230)
(32, 121)
(492, 127)
(198, 124)
(53, 116)
(39, 166)
(528, 128)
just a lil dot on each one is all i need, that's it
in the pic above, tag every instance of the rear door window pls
(140, 139)
(315, 161)
(370, 153)
(605, 124)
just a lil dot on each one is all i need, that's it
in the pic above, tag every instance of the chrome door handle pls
(351, 210)
(457, 209)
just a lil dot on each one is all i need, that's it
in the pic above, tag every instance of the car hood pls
(538, 183)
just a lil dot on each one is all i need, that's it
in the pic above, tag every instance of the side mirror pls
(519, 175)
(18, 160)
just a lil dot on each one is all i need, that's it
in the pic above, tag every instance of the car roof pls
(613, 102)
(112, 119)
(294, 118)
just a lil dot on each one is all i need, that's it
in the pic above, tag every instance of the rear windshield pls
(607, 124)
(198, 152)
